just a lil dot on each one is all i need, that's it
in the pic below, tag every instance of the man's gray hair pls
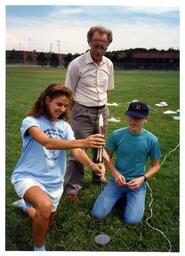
(101, 30)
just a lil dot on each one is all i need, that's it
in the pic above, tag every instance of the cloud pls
(157, 10)
(116, 14)
(145, 36)
(65, 11)
(69, 24)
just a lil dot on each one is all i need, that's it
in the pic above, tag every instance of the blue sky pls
(40, 27)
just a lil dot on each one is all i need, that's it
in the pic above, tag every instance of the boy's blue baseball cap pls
(137, 109)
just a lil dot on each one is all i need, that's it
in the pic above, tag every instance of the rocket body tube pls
(100, 130)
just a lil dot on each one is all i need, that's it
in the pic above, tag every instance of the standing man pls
(89, 76)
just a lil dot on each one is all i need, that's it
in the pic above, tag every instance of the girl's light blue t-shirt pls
(46, 166)
(132, 151)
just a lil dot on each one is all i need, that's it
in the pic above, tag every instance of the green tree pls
(54, 60)
(42, 59)
(67, 59)
(29, 57)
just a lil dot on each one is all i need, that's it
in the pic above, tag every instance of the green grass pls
(75, 230)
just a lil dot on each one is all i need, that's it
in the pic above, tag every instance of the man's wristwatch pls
(145, 178)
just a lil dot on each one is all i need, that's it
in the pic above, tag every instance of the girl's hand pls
(94, 141)
(135, 183)
(98, 168)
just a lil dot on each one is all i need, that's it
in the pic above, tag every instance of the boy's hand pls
(135, 183)
(119, 179)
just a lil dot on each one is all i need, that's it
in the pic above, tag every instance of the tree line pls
(119, 58)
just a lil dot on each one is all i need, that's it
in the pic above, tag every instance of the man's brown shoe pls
(73, 198)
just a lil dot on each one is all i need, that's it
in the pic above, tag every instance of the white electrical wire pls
(150, 204)
(151, 215)
(167, 155)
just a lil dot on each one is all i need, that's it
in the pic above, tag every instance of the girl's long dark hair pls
(52, 91)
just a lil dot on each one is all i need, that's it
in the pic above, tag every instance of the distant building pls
(149, 60)
(27, 57)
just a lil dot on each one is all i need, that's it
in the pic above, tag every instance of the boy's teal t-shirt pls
(132, 151)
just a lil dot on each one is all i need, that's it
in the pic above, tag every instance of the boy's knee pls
(98, 214)
(132, 221)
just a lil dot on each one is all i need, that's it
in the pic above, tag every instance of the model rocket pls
(100, 130)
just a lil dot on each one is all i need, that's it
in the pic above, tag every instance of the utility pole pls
(51, 44)
(20, 46)
(58, 44)
(29, 44)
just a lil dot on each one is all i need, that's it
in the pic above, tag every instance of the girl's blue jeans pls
(134, 206)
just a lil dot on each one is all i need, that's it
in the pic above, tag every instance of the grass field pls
(75, 230)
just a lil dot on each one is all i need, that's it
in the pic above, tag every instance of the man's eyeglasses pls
(98, 46)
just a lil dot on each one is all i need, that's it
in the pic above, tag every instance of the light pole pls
(29, 43)
(58, 44)
(51, 45)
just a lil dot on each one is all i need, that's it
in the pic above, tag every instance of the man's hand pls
(99, 169)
